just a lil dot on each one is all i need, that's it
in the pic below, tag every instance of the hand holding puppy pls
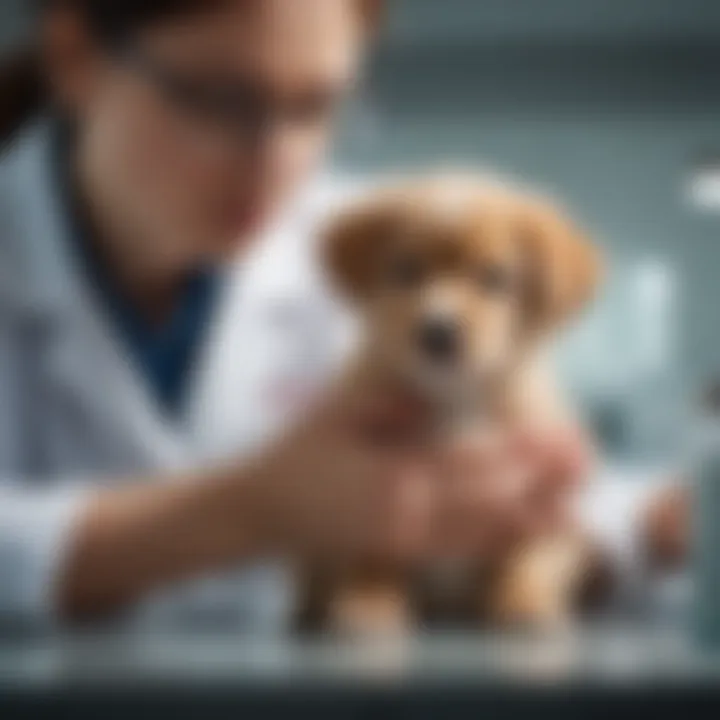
(358, 479)
(352, 480)
(517, 485)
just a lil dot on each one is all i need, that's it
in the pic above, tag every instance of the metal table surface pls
(609, 669)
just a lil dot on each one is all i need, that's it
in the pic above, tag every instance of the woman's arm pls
(321, 489)
(326, 489)
(128, 541)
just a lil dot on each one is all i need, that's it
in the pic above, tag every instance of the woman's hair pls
(22, 79)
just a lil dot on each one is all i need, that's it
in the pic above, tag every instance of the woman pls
(143, 370)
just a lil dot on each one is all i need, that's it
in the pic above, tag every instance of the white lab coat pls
(74, 412)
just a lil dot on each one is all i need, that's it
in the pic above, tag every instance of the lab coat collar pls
(81, 357)
(40, 268)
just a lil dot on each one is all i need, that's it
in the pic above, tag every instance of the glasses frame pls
(247, 118)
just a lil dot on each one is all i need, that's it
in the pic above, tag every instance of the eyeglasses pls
(240, 109)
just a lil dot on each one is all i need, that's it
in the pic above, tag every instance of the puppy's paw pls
(535, 592)
(379, 614)
(517, 608)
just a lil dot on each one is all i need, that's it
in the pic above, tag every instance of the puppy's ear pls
(353, 243)
(563, 267)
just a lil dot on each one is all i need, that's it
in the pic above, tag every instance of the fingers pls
(409, 508)
(482, 494)
(408, 499)
(560, 459)
(396, 514)
(666, 525)
(565, 452)
(500, 488)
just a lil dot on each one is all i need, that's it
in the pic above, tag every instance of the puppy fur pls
(459, 283)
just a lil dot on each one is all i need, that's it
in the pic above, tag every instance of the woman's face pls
(196, 133)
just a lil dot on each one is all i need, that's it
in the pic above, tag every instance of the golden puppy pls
(459, 284)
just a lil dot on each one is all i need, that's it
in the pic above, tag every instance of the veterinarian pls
(159, 324)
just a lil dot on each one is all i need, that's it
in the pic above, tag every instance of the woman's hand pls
(360, 478)
(511, 486)
(354, 478)
(332, 488)
(666, 527)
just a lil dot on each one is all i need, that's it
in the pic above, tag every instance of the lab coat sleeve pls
(37, 516)
(36, 531)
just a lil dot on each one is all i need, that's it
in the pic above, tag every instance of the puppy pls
(459, 284)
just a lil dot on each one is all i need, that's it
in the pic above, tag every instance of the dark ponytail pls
(22, 90)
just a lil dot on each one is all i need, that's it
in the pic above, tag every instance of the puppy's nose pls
(440, 339)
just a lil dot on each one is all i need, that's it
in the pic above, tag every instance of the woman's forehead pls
(281, 43)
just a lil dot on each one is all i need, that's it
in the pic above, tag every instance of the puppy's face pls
(455, 283)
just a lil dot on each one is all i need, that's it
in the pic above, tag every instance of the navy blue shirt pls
(165, 353)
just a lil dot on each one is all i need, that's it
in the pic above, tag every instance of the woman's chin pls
(229, 239)
(229, 248)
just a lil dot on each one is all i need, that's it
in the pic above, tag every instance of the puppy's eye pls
(494, 279)
(405, 272)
